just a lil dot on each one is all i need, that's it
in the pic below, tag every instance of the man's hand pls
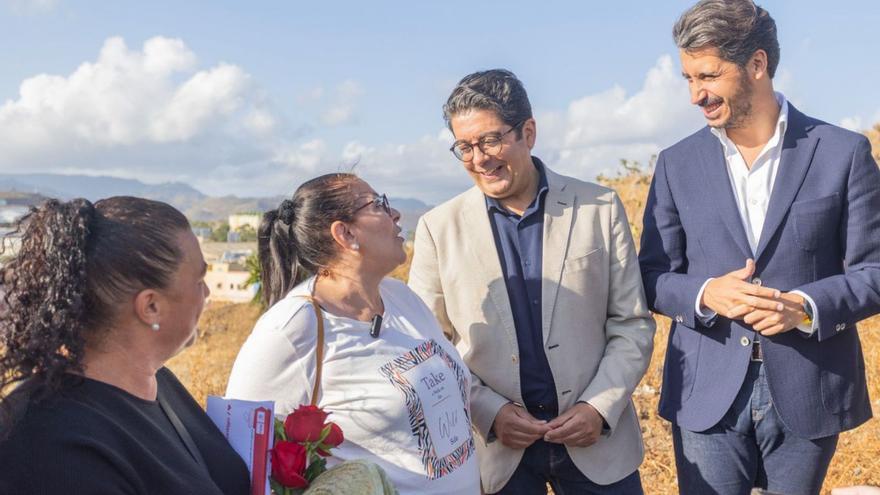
(773, 322)
(580, 426)
(731, 296)
(516, 428)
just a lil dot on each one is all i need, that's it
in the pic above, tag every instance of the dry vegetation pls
(205, 367)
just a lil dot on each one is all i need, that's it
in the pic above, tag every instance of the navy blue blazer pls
(821, 236)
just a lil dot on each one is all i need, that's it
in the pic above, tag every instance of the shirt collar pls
(492, 203)
(781, 126)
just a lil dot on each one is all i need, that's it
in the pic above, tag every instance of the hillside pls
(192, 202)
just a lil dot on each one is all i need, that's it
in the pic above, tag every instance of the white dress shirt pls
(751, 191)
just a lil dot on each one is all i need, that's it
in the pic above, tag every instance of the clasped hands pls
(579, 426)
(769, 311)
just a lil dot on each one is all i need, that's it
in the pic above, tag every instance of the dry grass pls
(205, 367)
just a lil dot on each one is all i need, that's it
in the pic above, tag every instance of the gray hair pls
(497, 90)
(737, 28)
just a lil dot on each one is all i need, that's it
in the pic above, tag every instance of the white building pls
(10, 213)
(227, 273)
(239, 220)
(227, 282)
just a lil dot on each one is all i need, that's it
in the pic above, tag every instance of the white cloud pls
(860, 123)
(155, 114)
(134, 108)
(597, 131)
(852, 123)
(310, 96)
(342, 110)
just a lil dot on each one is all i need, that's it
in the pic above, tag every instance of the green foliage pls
(219, 234)
(201, 224)
(252, 263)
(248, 234)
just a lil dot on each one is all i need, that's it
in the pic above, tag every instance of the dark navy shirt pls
(519, 241)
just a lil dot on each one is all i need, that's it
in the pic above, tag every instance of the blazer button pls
(513, 358)
(745, 341)
(678, 318)
(757, 281)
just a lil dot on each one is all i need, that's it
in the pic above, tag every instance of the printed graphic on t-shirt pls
(435, 389)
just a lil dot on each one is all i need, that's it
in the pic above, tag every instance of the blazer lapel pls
(558, 207)
(797, 154)
(481, 244)
(720, 192)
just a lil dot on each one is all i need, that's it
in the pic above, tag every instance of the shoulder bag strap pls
(319, 350)
(181, 429)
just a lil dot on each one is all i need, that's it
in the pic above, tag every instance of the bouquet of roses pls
(302, 441)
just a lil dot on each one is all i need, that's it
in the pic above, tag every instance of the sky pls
(253, 98)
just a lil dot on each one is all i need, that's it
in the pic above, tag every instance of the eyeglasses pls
(490, 144)
(380, 201)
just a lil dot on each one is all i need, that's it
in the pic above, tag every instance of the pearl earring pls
(355, 246)
(155, 327)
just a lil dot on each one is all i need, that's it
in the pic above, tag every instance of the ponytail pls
(76, 266)
(44, 291)
(277, 253)
(294, 239)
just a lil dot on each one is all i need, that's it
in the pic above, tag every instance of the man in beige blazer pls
(534, 277)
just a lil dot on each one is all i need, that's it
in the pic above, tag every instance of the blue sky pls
(251, 98)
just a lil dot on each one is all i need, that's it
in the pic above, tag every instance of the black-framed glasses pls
(381, 201)
(490, 144)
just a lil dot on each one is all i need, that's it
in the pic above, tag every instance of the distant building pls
(202, 233)
(233, 236)
(228, 282)
(227, 273)
(10, 213)
(239, 220)
(238, 256)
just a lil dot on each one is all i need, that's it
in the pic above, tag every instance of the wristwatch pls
(808, 311)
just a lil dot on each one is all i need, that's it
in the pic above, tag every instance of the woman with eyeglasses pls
(390, 379)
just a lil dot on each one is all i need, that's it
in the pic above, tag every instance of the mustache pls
(706, 101)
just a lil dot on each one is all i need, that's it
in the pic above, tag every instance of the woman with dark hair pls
(391, 381)
(98, 297)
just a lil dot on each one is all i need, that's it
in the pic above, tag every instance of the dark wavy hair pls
(294, 240)
(736, 28)
(496, 90)
(77, 264)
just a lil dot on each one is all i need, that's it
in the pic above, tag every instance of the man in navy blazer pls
(762, 242)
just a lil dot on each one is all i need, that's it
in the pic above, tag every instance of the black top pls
(94, 438)
(519, 241)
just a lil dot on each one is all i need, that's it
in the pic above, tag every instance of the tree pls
(219, 234)
(248, 234)
(252, 263)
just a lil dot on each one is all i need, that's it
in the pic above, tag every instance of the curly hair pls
(76, 264)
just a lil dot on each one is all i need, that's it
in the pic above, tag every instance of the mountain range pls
(192, 202)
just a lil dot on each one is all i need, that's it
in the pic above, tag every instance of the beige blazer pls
(598, 333)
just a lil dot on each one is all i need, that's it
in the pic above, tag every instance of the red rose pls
(289, 464)
(334, 438)
(305, 424)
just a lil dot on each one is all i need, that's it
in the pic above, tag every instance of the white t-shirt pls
(402, 399)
